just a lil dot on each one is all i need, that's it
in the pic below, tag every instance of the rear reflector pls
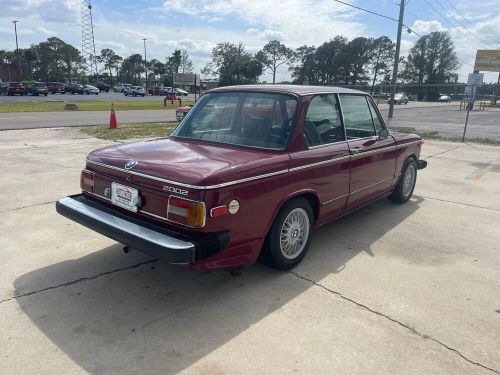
(87, 180)
(218, 211)
(186, 212)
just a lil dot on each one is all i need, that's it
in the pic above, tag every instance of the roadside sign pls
(475, 79)
(187, 79)
(487, 60)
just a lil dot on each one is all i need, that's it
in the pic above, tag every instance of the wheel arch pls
(309, 195)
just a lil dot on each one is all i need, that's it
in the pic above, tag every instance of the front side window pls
(322, 124)
(358, 120)
(376, 117)
(251, 119)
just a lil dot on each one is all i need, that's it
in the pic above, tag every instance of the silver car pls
(134, 91)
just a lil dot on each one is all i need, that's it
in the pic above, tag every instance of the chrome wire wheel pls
(294, 233)
(409, 180)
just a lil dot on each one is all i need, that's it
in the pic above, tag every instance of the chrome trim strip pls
(366, 153)
(370, 186)
(207, 187)
(334, 199)
(319, 163)
(325, 145)
(138, 231)
(401, 145)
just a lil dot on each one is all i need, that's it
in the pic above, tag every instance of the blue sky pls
(197, 25)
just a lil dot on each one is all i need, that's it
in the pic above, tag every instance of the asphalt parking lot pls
(103, 96)
(410, 289)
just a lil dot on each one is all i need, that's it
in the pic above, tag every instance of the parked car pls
(155, 90)
(12, 88)
(89, 89)
(56, 87)
(74, 88)
(174, 91)
(400, 98)
(444, 99)
(181, 112)
(250, 170)
(121, 86)
(134, 91)
(103, 87)
(37, 88)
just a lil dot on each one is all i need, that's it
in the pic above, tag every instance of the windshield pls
(241, 118)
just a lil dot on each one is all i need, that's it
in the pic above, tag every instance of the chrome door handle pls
(356, 150)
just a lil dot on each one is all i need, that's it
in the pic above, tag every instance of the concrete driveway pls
(388, 290)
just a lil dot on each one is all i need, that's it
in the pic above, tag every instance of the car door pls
(373, 158)
(324, 165)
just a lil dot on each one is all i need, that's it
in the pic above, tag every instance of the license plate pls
(124, 196)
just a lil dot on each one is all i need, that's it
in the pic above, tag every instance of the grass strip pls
(131, 131)
(87, 105)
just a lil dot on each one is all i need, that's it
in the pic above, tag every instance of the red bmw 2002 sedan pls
(249, 170)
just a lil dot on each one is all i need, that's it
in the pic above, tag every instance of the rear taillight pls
(87, 180)
(186, 212)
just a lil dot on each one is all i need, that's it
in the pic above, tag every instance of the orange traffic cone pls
(112, 117)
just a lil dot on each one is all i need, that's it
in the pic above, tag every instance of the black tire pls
(45, 94)
(125, 93)
(134, 94)
(404, 190)
(272, 249)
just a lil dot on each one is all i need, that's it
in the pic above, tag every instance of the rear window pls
(261, 120)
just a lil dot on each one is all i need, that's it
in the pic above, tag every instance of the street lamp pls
(17, 51)
(145, 65)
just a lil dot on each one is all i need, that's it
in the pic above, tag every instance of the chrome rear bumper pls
(141, 235)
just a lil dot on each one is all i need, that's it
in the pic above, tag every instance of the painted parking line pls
(481, 171)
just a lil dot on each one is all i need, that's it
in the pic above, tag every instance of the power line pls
(471, 24)
(366, 10)
(447, 21)
(459, 23)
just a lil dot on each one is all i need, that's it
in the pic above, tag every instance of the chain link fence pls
(431, 115)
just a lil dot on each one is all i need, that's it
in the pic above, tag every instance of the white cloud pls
(426, 27)
(295, 22)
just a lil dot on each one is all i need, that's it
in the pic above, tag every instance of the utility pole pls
(145, 66)
(396, 57)
(17, 51)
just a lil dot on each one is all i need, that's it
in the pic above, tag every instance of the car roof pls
(289, 89)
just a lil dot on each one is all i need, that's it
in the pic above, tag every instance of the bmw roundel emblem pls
(130, 164)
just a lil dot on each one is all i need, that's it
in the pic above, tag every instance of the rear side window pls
(322, 124)
(358, 120)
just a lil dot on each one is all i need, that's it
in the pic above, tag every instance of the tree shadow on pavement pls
(161, 319)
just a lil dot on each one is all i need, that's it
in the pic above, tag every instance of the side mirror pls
(383, 134)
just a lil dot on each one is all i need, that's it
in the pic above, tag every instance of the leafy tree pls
(29, 56)
(176, 60)
(157, 68)
(110, 60)
(303, 64)
(432, 60)
(185, 65)
(233, 65)
(273, 55)
(131, 69)
(356, 57)
(382, 58)
(70, 59)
